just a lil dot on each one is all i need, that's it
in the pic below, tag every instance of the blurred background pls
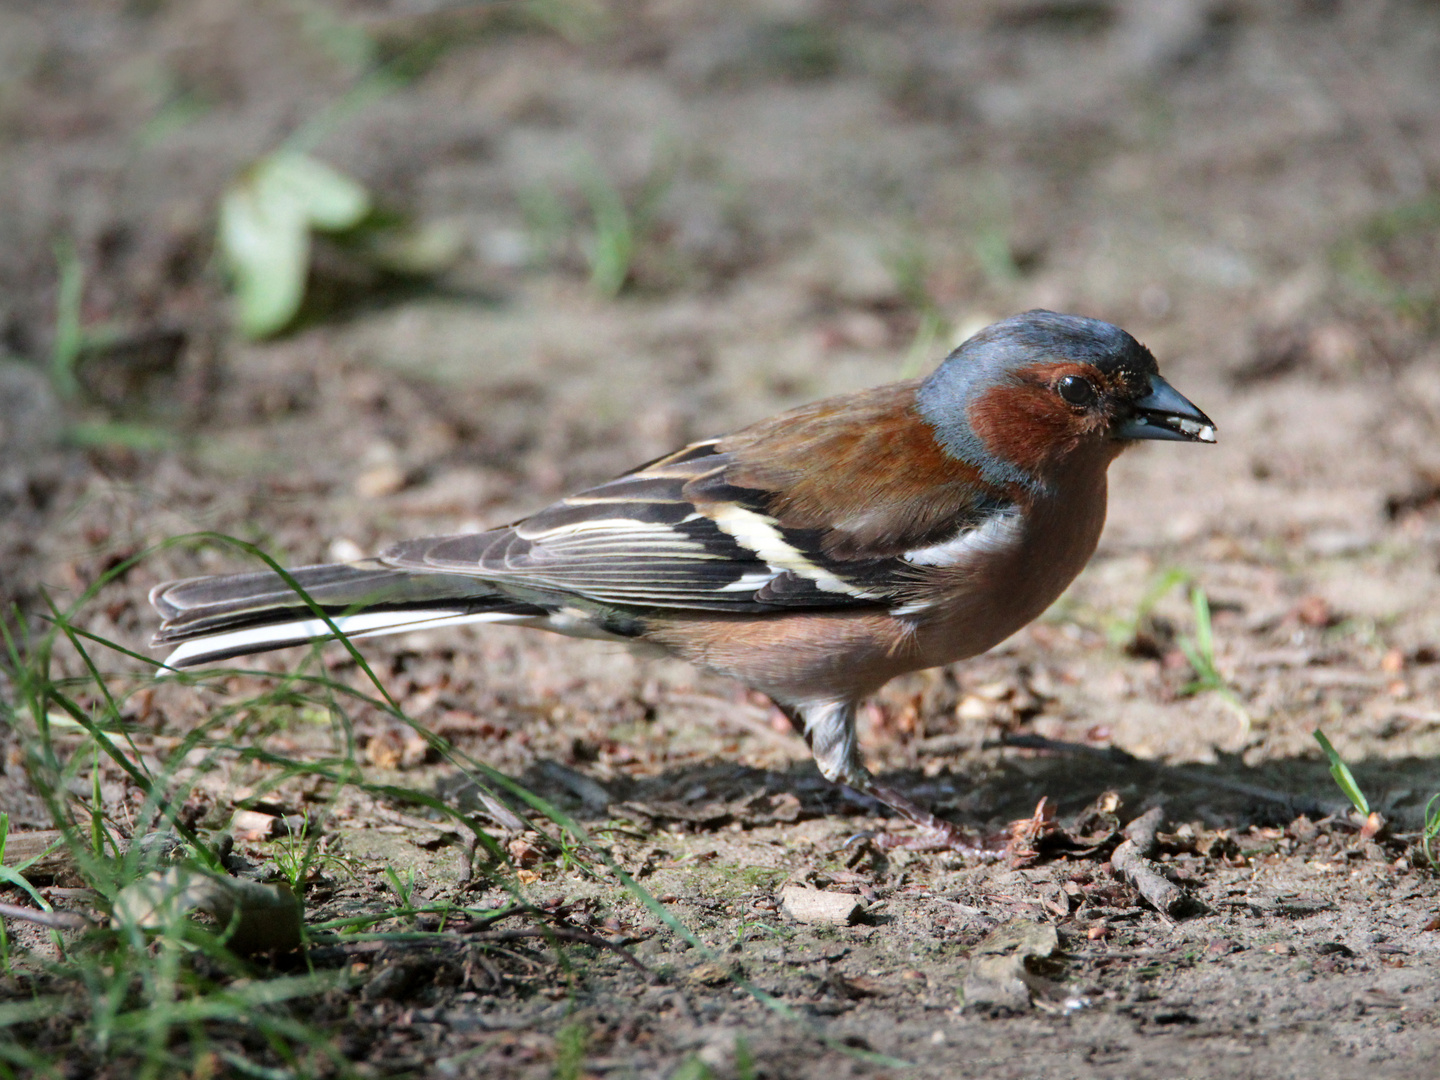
(323, 275)
(327, 274)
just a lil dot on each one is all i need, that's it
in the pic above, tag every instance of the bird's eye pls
(1076, 391)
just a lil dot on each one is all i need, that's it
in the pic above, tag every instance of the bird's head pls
(1027, 394)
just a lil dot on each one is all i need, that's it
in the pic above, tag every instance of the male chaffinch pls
(813, 556)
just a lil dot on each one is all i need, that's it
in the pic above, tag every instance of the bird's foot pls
(935, 834)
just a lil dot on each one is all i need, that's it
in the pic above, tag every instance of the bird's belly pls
(797, 657)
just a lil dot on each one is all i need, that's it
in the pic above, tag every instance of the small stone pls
(999, 978)
(252, 825)
(708, 974)
(820, 906)
(380, 480)
(343, 549)
(973, 709)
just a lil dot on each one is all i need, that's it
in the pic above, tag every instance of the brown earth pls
(1251, 188)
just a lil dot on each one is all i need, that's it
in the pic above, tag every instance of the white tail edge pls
(233, 643)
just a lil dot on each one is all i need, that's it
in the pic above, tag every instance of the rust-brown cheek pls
(1026, 423)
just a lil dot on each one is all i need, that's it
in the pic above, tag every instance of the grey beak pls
(1165, 413)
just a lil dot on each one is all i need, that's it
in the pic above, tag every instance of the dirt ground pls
(833, 194)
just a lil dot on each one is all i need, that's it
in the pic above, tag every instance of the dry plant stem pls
(54, 920)
(565, 934)
(1132, 860)
(335, 947)
(502, 814)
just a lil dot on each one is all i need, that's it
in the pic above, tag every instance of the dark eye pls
(1076, 391)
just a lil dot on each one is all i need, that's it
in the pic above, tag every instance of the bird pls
(812, 556)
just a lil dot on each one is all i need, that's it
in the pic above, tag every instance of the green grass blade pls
(1344, 778)
(1432, 830)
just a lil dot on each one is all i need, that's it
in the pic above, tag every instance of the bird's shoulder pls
(864, 472)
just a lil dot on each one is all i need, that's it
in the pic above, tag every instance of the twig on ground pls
(54, 920)
(564, 933)
(1132, 860)
(501, 814)
(497, 937)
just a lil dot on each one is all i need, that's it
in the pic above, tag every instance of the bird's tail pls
(212, 619)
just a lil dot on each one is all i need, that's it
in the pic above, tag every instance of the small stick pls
(55, 920)
(500, 937)
(1132, 861)
(564, 933)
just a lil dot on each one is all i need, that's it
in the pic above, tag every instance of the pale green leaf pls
(329, 200)
(266, 244)
(265, 222)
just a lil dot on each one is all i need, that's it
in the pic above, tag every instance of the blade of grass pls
(1344, 778)
(1199, 651)
(69, 334)
(14, 875)
(477, 771)
(1122, 631)
(1432, 829)
(612, 247)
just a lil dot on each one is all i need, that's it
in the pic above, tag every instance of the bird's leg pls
(828, 728)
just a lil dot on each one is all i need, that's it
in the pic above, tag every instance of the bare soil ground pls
(1252, 188)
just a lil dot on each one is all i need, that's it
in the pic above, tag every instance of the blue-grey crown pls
(988, 358)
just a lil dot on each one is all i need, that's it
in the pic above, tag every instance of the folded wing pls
(730, 525)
